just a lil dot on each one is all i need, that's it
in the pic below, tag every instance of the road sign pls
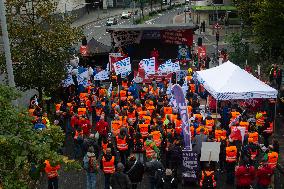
(217, 26)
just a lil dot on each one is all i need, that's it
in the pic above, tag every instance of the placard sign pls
(190, 165)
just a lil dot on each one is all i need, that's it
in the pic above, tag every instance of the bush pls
(153, 13)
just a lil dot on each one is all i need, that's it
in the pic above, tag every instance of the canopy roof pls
(229, 81)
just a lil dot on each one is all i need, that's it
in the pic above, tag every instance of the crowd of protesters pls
(133, 132)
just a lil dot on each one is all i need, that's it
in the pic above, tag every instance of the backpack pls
(207, 181)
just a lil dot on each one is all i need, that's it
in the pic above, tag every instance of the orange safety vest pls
(99, 111)
(123, 120)
(234, 115)
(269, 130)
(178, 126)
(209, 124)
(208, 173)
(131, 115)
(31, 111)
(57, 107)
(219, 134)
(77, 134)
(147, 119)
(198, 116)
(108, 166)
(151, 109)
(272, 159)
(206, 132)
(244, 124)
(231, 154)
(156, 137)
(149, 150)
(51, 171)
(172, 117)
(82, 96)
(192, 131)
(168, 110)
(121, 144)
(254, 137)
(116, 125)
(104, 146)
(144, 130)
(192, 87)
(142, 114)
(123, 95)
(260, 121)
(124, 84)
(82, 111)
(189, 109)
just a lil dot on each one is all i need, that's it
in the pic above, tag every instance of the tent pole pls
(216, 107)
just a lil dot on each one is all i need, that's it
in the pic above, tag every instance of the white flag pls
(102, 75)
(148, 65)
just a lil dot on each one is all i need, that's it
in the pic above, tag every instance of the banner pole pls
(275, 109)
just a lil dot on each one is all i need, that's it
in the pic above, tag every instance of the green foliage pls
(265, 18)
(39, 42)
(22, 149)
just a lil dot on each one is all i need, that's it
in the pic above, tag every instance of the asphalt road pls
(97, 30)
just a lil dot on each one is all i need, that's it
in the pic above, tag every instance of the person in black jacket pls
(119, 180)
(134, 170)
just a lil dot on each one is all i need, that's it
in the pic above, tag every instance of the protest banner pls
(102, 75)
(124, 38)
(183, 52)
(190, 165)
(148, 65)
(113, 58)
(210, 151)
(201, 52)
(182, 105)
(141, 77)
(169, 67)
(122, 66)
(177, 37)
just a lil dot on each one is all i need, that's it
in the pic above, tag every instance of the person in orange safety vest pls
(108, 166)
(52, 174)
(231, 154)
(272, 159)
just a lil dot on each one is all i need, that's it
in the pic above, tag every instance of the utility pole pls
(184, 11)
(6, 41)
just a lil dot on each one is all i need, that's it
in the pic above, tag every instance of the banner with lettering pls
(141, 77)
(102, 75)
(181, 103)
(177, 37)
(190, 165)
(124, 38)
(169, 67)
(122, 66)
(148, 65)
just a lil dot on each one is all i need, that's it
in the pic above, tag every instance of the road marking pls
(97, 26)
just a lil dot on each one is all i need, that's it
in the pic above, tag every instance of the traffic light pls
(217, 36)
(199, 41)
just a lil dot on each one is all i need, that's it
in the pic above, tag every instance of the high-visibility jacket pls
(149, 150)
(168, 110)
(170, 131)
(82, 111)
(244, 124)
(147, 119)
(234, 115)
(99, 111)
(57, 107)
(124, 84)
(116, 125)
(192, 87)
(272, 159)
(206, 132)
(254, 137)
(108, 166)
(155, 92)
(144, 130)
(269, 130)
(31, 111)
(192, 131)
(123, 95)
(121, 144)
(50, 170)
(172, 117)
(198, 116)
(102, 92)
(178, 126)
(83, 96)
(156, 137)
(123, 119)
(142, 114)
(189, 109)
(151, 109)
(220, 135)
(231, 154)
(259, 119)
(209, 124)
(207, 173)
(132, 115)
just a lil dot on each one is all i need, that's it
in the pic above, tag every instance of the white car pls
(125, 15)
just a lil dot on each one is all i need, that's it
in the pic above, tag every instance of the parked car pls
(111, 21)
(125, 15)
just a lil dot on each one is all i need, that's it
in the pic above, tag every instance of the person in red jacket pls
(85, 125)
(74, 121)
(245, 175)
(264, 174)
(102, 128)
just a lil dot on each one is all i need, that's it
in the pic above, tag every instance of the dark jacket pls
(153, 166)
(170, 182)
(135, 171)
(120, 181)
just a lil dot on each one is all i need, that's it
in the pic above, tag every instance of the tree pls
(264, 18)
(40, 41)
(24, 150)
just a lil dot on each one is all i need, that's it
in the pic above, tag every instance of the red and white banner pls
(201, 52)
(84, 50)
(141, 77)
(113, 58)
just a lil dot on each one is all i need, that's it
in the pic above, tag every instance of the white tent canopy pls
(229, 81)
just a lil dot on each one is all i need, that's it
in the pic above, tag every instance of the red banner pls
(202, 52)
(141, 77)
(84, 50)
(177, 37)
